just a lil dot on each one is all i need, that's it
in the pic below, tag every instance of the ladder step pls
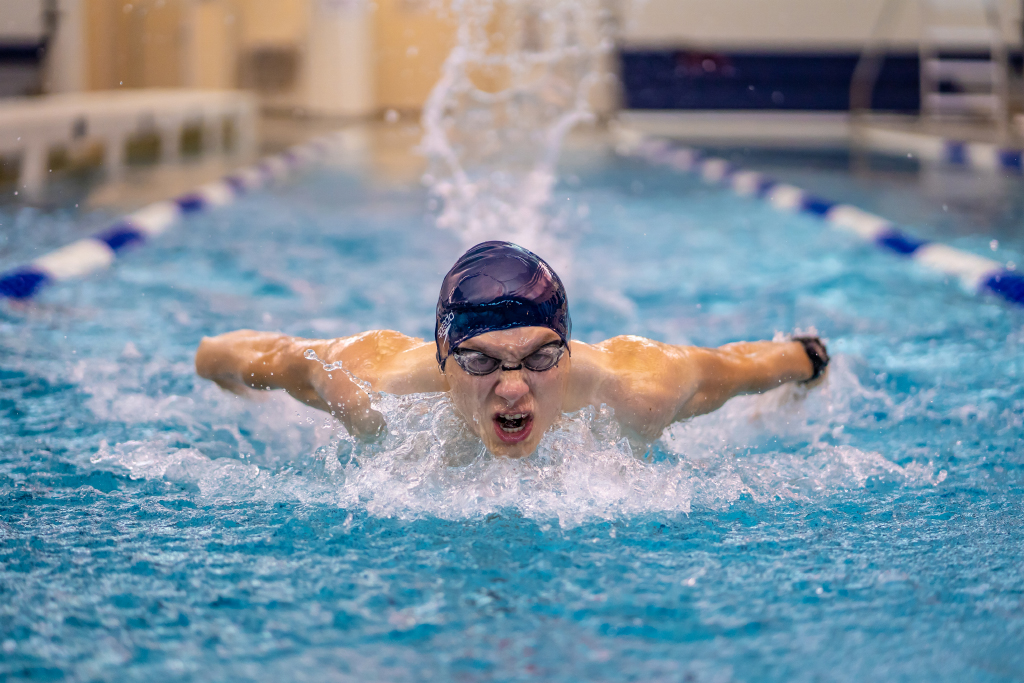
(962, 102)
(973, 71)
(961, 35)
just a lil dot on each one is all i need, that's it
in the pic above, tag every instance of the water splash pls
(778, 446)
(329, 368)
(518, 79)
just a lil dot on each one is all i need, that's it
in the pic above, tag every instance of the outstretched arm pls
(744, 368)
(650, 385)
(246, 361)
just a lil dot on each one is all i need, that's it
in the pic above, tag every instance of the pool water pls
(153, 527)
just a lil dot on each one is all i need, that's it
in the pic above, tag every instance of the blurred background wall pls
(328, 57)
(361, 57)
(797, 54)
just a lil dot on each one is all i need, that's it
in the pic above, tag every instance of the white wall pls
(212, 29)
(65, 63)
(840, 25)
(338, 71)
(21, 21)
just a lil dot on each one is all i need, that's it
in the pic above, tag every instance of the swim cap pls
(498, 286)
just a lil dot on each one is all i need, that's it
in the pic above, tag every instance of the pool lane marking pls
(976, 273)
(95, 253)
(979, 155)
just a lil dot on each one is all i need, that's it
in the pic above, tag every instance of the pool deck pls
(976, 146)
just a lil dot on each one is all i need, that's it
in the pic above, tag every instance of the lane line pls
(976, 273)
(91, 254)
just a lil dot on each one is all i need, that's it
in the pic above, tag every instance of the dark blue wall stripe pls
(686, 79)
(22, 53)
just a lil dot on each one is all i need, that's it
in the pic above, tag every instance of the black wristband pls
(817, 353)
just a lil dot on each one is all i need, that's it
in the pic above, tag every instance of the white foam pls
(430, 465)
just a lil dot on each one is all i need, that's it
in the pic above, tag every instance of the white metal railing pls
(979, 87)
(979, 83)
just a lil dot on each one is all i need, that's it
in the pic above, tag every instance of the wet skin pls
(648, 384)
(510, 409)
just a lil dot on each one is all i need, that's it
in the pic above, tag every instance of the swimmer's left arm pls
(650, 384)
(743, 368)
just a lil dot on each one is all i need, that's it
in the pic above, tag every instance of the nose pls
(511, 386)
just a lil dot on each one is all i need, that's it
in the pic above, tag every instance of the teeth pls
(506, 422)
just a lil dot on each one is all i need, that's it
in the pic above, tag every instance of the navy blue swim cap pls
(498, 286)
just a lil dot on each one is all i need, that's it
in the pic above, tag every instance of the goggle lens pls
(478, 363)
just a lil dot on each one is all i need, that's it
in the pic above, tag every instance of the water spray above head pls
(498, 286)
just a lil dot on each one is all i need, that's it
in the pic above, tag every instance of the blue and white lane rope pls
(99, 251)
(982, 156)
(976, 273)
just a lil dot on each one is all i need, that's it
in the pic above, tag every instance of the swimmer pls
(503, 352)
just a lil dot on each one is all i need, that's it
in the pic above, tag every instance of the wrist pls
(817, 354)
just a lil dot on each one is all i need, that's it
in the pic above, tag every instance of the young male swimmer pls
(503, 318)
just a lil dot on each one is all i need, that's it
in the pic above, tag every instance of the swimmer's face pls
(510, 409)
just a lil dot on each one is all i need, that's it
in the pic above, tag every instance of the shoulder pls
(369, 346)
(633, 358)
(643, 380)
(390, 361)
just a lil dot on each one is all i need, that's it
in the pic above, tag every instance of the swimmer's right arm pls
(245, 361)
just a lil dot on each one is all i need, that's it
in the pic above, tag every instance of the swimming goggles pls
(478, 364)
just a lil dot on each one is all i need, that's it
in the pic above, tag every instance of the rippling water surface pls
(153, 527)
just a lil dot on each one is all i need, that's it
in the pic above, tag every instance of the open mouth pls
(513, 427)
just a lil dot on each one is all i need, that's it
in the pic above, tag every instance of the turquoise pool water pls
(153, 527)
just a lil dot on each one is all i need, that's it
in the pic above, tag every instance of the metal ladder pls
(963, 65)
(952, 87)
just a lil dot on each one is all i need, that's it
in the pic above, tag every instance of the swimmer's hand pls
(816, 382)
(818, 355)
